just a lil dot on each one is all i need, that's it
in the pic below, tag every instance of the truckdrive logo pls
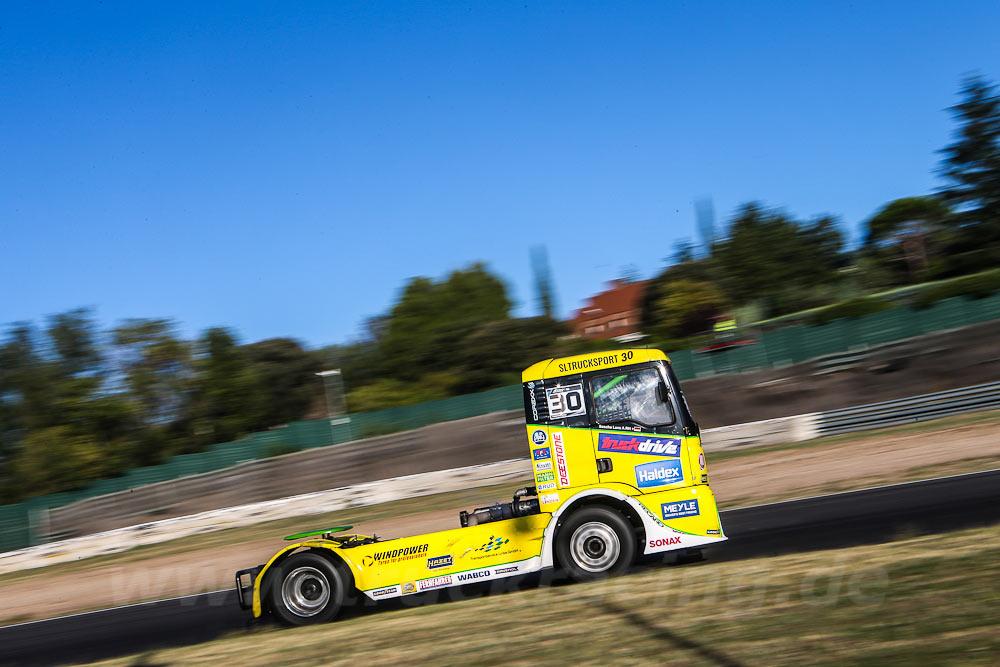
(561, 467)
(680, 509)
(538, 437)
(631, 444)
(395, 556)
(658, 473)
(438, 561)
(543, 453)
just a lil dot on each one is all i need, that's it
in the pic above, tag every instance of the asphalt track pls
(867, 516)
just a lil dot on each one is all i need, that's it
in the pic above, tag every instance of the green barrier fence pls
(22, 524)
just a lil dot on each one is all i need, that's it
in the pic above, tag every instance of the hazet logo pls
(630, 444)
(658, 473)
(438, 561)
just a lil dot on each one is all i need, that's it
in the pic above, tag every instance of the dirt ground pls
(741, 481)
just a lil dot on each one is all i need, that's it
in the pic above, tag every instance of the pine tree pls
(971, 165)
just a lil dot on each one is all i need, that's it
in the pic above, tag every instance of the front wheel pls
(306, 588)
(594, 543)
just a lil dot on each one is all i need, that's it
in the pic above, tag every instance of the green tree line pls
(78, 403)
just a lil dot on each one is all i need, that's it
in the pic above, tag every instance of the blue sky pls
(283, 168)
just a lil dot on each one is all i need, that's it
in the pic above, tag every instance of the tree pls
(767, 255)
(427, 325)
(495, 354)
(971, 168)
(288, 383)
(911, 229)
(156, 365)
(685, 308)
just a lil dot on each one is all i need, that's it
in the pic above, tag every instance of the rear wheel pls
(595, 542)
(306, 588)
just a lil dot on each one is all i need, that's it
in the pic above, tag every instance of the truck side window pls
(631, 396)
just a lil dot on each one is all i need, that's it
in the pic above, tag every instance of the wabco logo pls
(665, 542)
(681, 509)
(543, 453)
(658, 473)
(630, 444)
(472, 576)
(538, 437)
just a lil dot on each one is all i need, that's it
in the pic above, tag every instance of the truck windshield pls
(631, 396)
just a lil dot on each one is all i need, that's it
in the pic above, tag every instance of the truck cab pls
(618, 470)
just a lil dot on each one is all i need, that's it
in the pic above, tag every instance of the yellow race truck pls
(618, 469)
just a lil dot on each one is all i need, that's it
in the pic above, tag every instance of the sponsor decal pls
(712, 531)
(550, 498)
(543, 465)
(545, 476)
(701, 460)
(679, 509)
(664, 542)
(409, 587)
(590, 363)
(495, 546)
(534, 404)
(658, 473)
(439, 561)
(395, 555)
(435, 582)
(548, 486)
(560, 452)
(506, 570)
(638, 444)
(472, 576)
(541, 454)
(382, 592)
(493, 543)
(539, 437)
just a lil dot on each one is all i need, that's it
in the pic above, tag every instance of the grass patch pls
(928, 600)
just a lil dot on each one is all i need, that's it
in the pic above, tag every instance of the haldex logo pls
(679, 509)
(658, 473)
(630, 444)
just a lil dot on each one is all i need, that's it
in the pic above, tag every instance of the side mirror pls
(661, 392)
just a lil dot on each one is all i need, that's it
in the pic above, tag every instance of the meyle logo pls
(630, 444)
(557, 445)
(658, 473)
(543, 453)
(680, 509)
(538, 437)
(472, 576)
(438, 561)
(664, 542)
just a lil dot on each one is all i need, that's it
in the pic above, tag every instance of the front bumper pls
(244, 592)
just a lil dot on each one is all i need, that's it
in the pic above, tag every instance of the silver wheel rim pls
(305, 591)
(595, 546)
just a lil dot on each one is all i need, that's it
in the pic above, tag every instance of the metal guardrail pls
(925, 407)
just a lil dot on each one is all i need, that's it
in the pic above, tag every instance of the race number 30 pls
(565, 401)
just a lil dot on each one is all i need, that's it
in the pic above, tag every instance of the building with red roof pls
(614, 313)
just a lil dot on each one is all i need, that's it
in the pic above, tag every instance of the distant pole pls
(336, 410)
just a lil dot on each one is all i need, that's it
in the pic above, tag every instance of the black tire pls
(306, 588)
(594, 543)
